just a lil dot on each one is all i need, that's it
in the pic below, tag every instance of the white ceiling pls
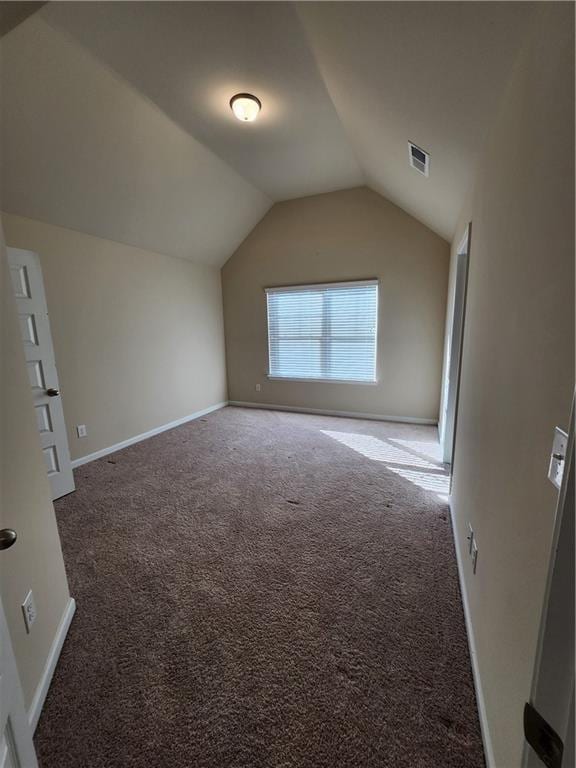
(429, 72)
(344, 86)
(83, 150)
(190, 58)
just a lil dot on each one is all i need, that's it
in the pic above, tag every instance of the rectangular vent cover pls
(419, 159)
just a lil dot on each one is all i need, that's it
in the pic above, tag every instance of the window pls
(323, 332)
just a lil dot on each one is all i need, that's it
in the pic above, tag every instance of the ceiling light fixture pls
(245, 106)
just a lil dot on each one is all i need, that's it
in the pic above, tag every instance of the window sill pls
(324, 381)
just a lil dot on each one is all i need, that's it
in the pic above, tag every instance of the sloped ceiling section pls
(190, 58)
(14, 13)
(126, 105)
(83, 150)
(433, 73)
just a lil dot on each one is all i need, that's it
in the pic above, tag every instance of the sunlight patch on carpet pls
(379, 450)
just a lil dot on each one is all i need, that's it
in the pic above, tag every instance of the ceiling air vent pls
(419, 159)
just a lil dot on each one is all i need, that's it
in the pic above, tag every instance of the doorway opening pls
(454, 351)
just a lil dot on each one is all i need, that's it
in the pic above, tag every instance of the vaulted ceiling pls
(116, 117)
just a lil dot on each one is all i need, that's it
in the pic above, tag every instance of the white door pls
(28, 286)
(16, 745)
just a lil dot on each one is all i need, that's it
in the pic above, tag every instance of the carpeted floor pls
(259, 589)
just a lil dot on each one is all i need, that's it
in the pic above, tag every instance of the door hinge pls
(542, 738)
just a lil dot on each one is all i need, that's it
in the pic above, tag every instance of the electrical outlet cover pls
(81, 430)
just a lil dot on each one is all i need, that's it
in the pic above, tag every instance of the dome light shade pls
(245, 106)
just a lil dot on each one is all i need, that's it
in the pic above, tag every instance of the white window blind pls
(323, 332)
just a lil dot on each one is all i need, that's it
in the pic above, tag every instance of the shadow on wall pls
(418, 462)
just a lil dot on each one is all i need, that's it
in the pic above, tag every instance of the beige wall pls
(518, 367)
(35, 560)
(344, 235)
(138, 336)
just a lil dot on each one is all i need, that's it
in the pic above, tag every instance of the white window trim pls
(317, 286)
(324, 381)
(314, 287)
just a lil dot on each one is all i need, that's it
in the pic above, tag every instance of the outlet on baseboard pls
(29, 611)
(81, 430)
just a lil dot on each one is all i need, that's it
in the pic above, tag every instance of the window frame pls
(316, 287)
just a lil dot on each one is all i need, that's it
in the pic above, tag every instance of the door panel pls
(26, 276)
(8, 756)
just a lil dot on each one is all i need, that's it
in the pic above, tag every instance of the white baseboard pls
(484, 728)
(325, 412)
(145, 435)
(51, 661)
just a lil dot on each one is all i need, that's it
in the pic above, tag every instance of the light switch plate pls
(558, 457)
(81, 430)
(29, 611)
(470, 538)
(474, 556)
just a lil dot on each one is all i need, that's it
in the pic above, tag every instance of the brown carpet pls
(260, 589)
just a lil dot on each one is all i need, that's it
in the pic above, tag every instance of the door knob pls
(7, 538)
(51, 392)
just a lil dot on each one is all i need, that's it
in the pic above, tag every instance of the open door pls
(16, 746)
(28, 287)
(454, 351)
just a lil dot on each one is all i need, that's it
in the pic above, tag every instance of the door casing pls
(454, 351)
(16, 745)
